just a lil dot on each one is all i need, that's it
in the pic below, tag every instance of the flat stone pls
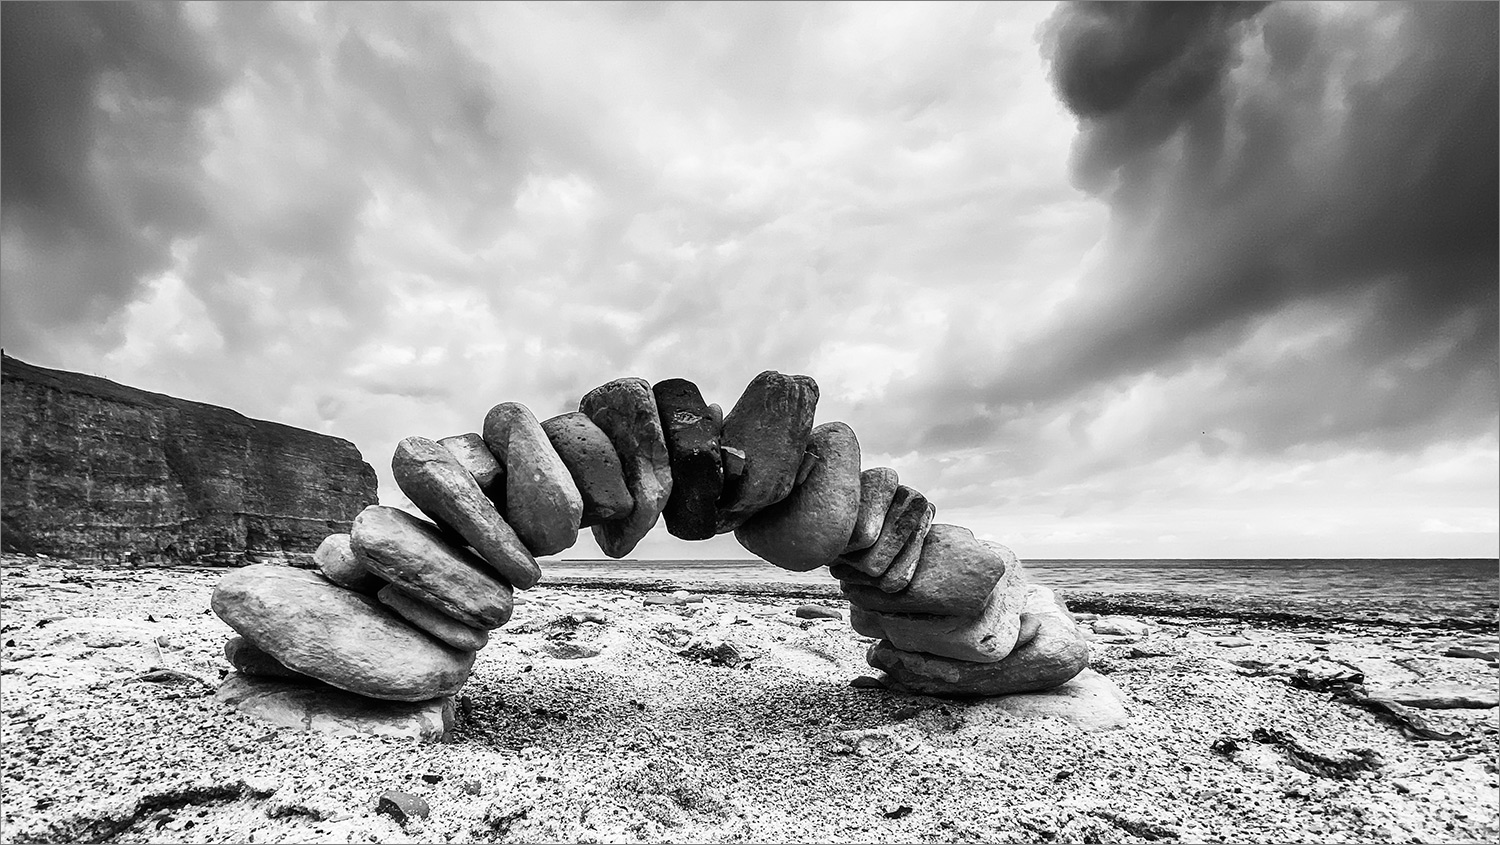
(413, 555)
(877, 487)
(817, 611)
(867, 682)
(323, 709)
(1474, 653)
(898, 575)
(770, 425)
(810, 527)
(340, 637)
(1053, 654)
(954, 577)
(907, 510)
(595, 466)
(542, 503)
(338, 563)
(986, 638)
(691, 432)
(1122, 626)
(471, 453)
(1089, 700)
(437, 484)
(433, 621)
(1441, 696)
(249, 660)
(625, 410)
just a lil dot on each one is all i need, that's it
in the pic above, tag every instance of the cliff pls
(97, 471)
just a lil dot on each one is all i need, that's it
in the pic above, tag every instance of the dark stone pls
(908, 509)
(817, 611)
(401, 806)
(542, 503)
(99, 472)
(877, 487)
(771, 423)
(811, 526)
(437, 484)
(595, 466)
(247, 659)
(692, 438)
(625, 411)
(412, 555)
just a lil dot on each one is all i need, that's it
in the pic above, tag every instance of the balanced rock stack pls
(400, 605)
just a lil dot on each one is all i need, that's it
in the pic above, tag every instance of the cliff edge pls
(97, 471)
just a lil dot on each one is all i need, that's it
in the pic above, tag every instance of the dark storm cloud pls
(1257, 160)
(87, 213)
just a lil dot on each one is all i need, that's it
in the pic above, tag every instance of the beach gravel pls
(113, 733)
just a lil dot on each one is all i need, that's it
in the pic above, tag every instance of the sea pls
(1441, 592)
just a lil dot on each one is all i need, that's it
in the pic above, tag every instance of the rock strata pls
(691, 432)
(101, 472)
(769, 426)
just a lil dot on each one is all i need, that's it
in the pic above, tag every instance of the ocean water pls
(1399, 589)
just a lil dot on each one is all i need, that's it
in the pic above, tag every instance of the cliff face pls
(94, 470)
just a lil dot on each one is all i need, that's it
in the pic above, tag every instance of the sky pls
(1101, 281)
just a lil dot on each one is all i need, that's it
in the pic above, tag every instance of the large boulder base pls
(811, 526)
(325, 710)
(438, 485)
(625, 410)
(1054, 654)
(542, 503)
(415, 557)
(769, 426)
(692, 436)
(339, 637)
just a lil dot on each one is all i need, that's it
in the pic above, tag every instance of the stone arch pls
(400, 604)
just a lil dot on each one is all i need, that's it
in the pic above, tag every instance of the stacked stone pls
(400, 605)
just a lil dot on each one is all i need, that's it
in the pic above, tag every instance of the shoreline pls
(591, 717)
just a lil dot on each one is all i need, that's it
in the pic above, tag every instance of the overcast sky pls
(1100, 281)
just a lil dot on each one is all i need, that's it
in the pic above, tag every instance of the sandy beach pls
(594, 716)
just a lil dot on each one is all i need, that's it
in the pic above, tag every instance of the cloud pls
(99, 109)
(1263, 164)
(1062, 287)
